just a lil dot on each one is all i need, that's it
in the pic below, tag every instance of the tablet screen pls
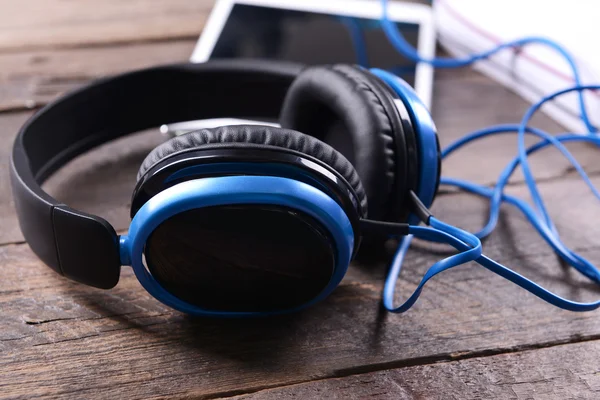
(312, 38)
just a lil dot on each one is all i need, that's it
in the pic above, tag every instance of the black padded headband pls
(85, 247)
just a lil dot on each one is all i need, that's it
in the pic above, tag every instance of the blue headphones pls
(237, 220)
(255, 220)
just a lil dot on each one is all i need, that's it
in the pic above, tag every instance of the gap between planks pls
(414, 362)
(528, 374)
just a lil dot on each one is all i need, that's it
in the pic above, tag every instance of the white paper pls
(472, 26)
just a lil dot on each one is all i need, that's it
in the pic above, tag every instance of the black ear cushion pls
(259, 135)
(346, 108)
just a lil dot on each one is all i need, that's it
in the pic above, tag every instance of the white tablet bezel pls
(399, 12)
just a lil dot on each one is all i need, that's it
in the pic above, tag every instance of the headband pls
(82, 246)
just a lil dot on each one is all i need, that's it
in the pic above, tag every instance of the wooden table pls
(471, 335)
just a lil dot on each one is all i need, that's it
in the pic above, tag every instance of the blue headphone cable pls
(468, 244)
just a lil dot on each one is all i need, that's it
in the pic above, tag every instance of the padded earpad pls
(258, 135)
(346, 108)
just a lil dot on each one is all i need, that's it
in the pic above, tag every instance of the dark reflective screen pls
(241, 258)
(312, 38)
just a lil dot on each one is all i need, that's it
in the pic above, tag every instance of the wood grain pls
(31, 79)
(63, 340)
(58, 23)
(561, 372)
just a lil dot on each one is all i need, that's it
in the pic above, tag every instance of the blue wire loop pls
(469, 245)
(439, 233)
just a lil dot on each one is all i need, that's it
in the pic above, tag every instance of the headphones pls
(254, 220)
(238, 220)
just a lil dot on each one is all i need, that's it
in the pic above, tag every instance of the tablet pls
(316, 32)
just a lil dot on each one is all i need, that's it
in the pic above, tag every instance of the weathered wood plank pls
(561, 372)
(9, 125)
(61, 339)
(31, 79)
(465, 101)
(56, 23)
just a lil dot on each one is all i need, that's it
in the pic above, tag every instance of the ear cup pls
(419, 125)
(258, 136)
(352, 111)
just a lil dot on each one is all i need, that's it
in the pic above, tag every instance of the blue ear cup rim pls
(260, 137)
(248, 159)
(223, 190)
(426, 133)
